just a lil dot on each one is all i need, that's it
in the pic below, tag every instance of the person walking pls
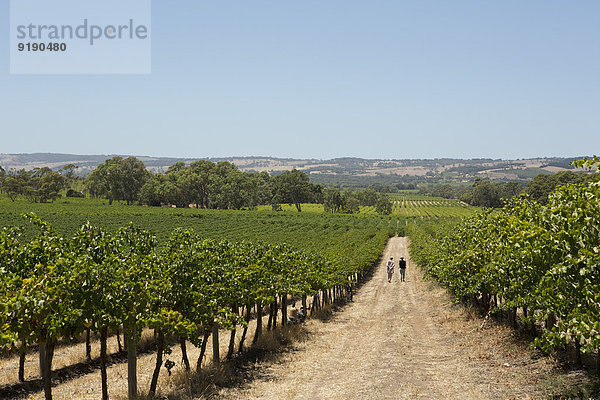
(390, 268)
(402, 268)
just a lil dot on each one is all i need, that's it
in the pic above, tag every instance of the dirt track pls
(399, 340)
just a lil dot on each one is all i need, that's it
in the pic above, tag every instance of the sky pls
(329, 78)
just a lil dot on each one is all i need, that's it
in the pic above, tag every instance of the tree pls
(293, 187)
(133, 175)
(153, 193)
(13, 186)
(384, 205)
(68, 171)
(368, 198)
(332, 200)
(208, 185)
(2, 178)
(351, 203)
(104, 181)
(443, 190)
(227, 186)
(544, 184)
(37, 185)
(261, 185)
(202, 171)
(118, 179)
(49, 185)
(511, 189)
(486, 194)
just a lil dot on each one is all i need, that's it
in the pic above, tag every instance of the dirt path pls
(399, 340)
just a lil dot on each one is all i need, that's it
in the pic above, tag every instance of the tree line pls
(37, 185)
(485, 193)
(201, 184)
(349, 202)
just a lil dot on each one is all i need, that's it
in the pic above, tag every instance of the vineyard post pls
(88, 344)
(258, 320)
(578, 352)
(230, 350)
(275, 311)
(351, 290)
(550, 321)
(22, 354)
(284, 310)
(247, 319)
(49, 345)
(159, 359)
(215, 343)
(202, 349)
(103, 359)
(513, 316)
(118, 334)
(270, 321)
(130, 334)
(184, 356)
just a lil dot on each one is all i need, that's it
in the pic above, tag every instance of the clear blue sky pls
(325, 78)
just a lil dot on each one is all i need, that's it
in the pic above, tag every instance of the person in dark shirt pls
(402, 268)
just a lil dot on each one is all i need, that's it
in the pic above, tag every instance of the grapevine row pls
(55, 287)
(541, 259)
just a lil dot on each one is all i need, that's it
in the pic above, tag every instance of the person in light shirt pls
(390, 268)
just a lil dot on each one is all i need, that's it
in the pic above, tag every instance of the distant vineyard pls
(424, 207)
(309, 230)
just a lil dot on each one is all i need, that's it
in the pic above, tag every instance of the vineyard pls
(71, 270)
(263, 224)
(424, 207)
(75, 270)
(539, 264)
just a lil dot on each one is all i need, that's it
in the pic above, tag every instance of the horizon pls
(293, 158)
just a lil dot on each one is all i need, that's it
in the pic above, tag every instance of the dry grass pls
(324, 314)
(204, 384)
(276, 340)
(67, 356)
(181, 384)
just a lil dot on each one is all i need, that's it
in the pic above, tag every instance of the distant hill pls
(356, 170)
